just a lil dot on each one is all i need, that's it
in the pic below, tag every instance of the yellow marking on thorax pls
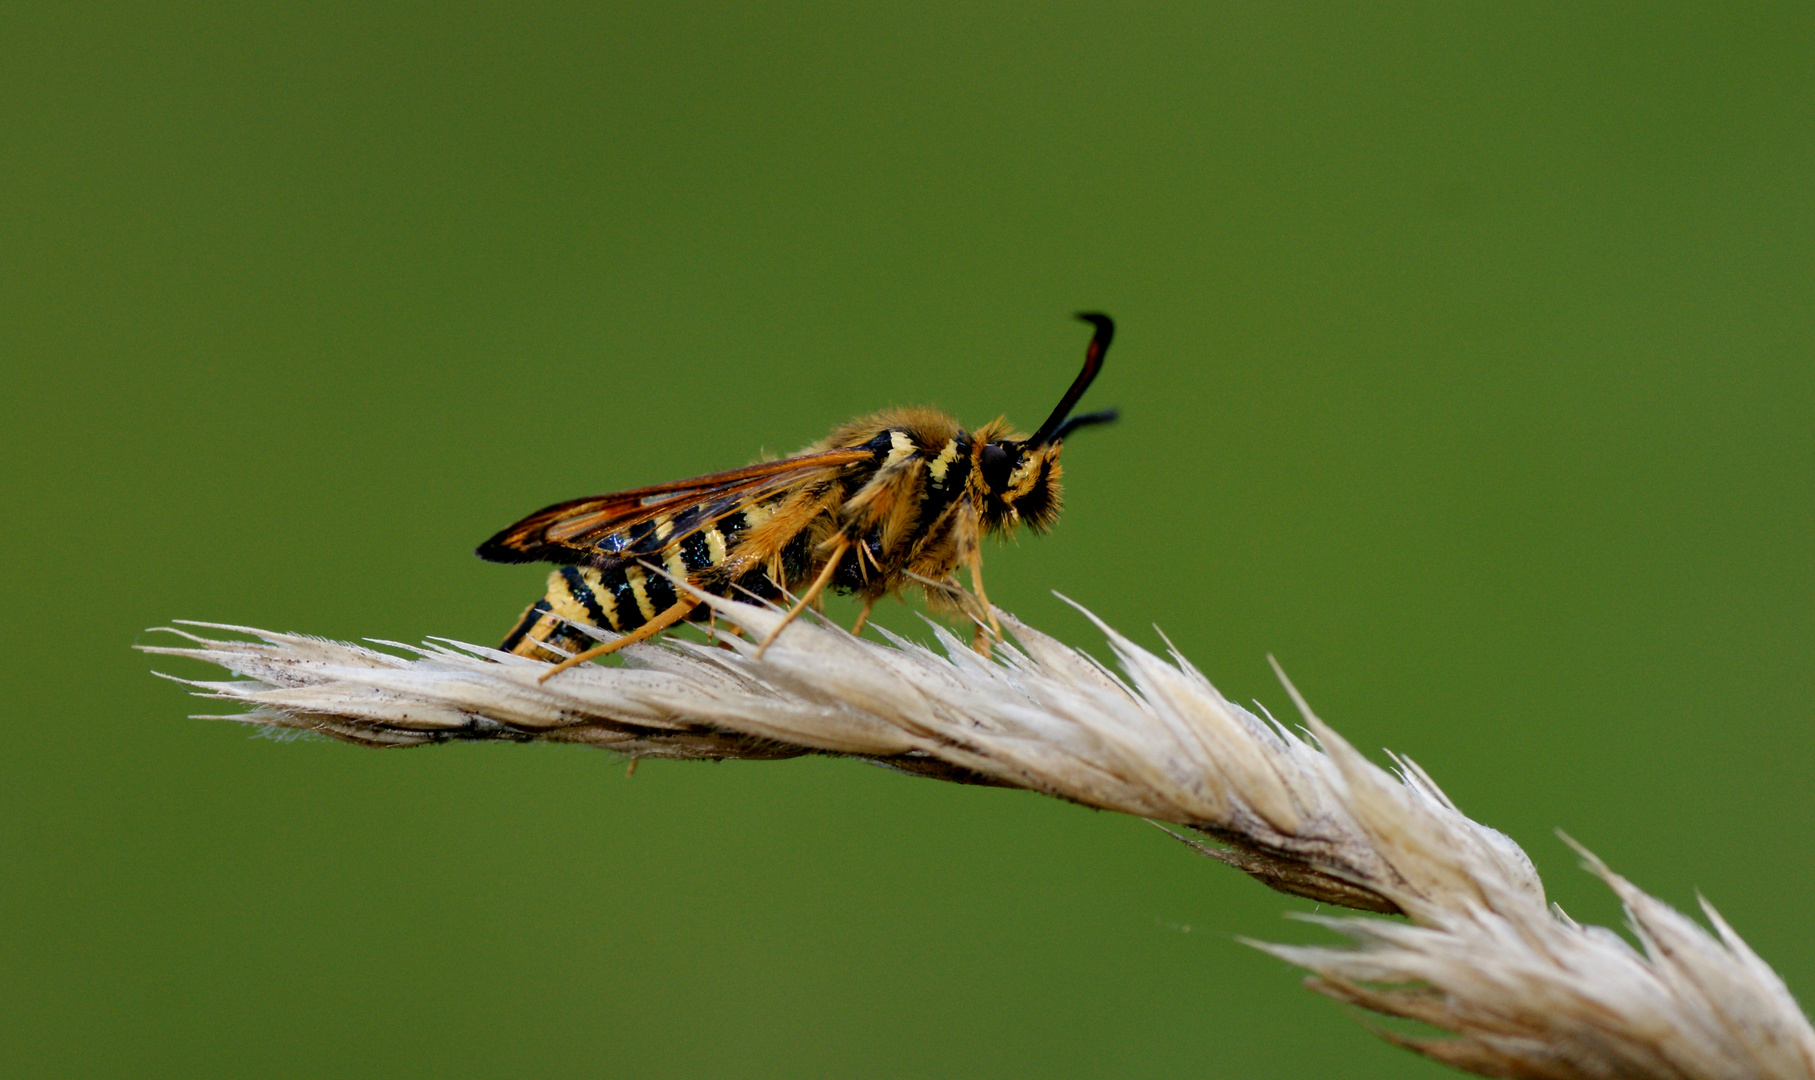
(607, 602)
(944, 461)
(900, 448)
(755, 514)
(715, 546)
(639, 587)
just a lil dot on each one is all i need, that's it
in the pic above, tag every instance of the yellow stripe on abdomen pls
(602, 594)
(639, 588)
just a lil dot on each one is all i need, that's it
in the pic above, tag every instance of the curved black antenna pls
(1101, 416)
(1093, 363)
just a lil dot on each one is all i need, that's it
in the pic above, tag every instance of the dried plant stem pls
(1525, 991)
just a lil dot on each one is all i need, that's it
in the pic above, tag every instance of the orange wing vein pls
(564, 532)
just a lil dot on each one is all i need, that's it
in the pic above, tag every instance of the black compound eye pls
(998, 462)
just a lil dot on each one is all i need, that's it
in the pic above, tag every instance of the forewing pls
(568, 532)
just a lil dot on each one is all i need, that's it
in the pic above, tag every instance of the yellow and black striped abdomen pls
(631, 588)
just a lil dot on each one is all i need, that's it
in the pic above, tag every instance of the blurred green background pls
(1465, 365)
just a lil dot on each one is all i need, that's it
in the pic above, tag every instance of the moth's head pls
(1018, 478)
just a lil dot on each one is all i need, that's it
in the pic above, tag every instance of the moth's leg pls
(661, 622)
(975, 557)
(865, 555)
(731, 628)
(967, 548)
(863, 617)
(812, 594)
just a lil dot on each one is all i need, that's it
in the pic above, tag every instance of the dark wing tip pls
(522, 542)
(500, 549)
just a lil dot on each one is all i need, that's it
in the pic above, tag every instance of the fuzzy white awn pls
(1524, 990)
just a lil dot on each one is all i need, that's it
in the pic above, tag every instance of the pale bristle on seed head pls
(1522, 990)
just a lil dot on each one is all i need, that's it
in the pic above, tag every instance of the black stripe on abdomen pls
(524, 625)
(695, 555)
(616, 584)
(583, 594)
(659, 590)
(732, 524)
